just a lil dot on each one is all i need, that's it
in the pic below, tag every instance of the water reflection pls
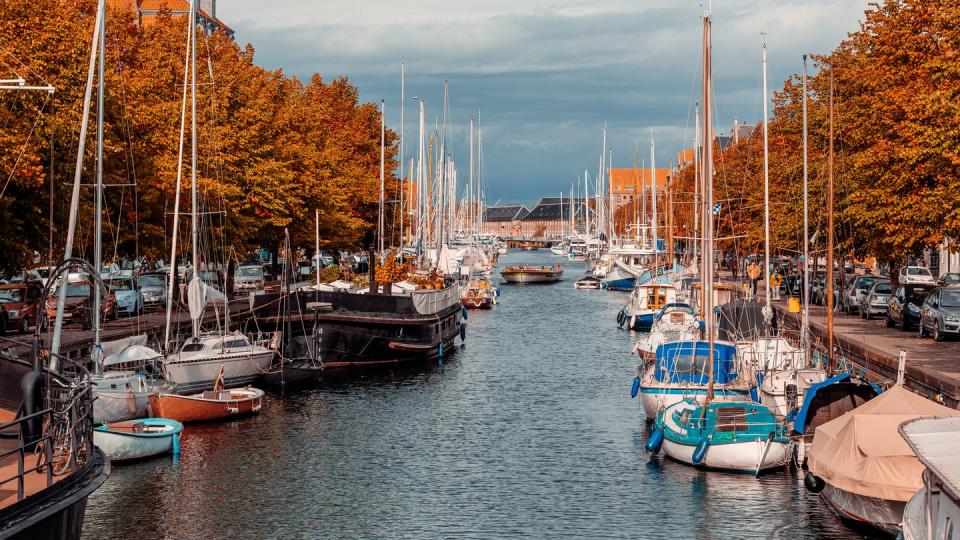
(527, 430)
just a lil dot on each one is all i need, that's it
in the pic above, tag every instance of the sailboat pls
(299, 364)
(730, 435)
(199, 360)
(121, 393)
(841, 392)
(784, 375)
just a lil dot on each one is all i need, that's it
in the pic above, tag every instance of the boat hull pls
(128, 446)
(531, 277)
(477, 303)
(197, 408)
(297, 373)
(621, 284)
(881, 514)
(239, 369)
(738, 457)
(58, 514)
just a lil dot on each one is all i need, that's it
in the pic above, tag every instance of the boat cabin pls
(652, 296)
(685, 362)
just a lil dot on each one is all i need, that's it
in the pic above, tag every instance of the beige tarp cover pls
(862, 452)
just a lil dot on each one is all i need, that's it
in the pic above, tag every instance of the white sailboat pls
(730, 435)
(783, 369)
(199, 360)
(121, 393)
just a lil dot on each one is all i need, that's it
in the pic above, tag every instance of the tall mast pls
(610, 214)
(176, 199)
(471, 209)
(194, 226)
(382, 163)
(653, 190)
(708, 199)
(830, 302)
(636, 188)
(75, 194)
(421, 172)
(98, 211)
(316, 240)
(403, 155)
(805, 324)
(766, 195)
(696, 183)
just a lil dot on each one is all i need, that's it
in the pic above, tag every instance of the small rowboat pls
(209, 405)
(138, 439)
(532, 274)
(215, 404)
(589, 282)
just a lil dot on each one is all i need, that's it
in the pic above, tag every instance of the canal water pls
(526, 431)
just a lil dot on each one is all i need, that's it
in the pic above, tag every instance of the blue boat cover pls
(800, 420)
(686, 362)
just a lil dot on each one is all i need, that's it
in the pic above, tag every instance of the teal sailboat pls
(731, 435)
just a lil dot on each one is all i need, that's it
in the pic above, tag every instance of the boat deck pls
(33, 482)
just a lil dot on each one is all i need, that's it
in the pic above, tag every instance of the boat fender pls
(620, 318)
(755, 394)
(33, 388)
(465, 314)
(636, 387)
(655, 441)
(176, 444)
(701, 450)
(813, 483)
(463, 332)
(633, 322)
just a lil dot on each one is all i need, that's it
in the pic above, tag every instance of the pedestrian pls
(775, 280)
(753, 271)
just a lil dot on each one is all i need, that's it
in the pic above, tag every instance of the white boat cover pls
(861, 452)
(111, 348)
(428, 302)
(133, 353)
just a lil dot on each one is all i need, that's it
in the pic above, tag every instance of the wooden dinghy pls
(215, 404)
(138, 439)
(532, 274)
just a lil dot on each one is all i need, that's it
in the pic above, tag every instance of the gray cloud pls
(546, 74)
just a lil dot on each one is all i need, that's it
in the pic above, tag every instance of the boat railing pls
(55, 441)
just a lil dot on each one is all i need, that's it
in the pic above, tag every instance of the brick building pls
(145, 10)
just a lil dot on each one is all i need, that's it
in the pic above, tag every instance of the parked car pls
(903, 310)
(249, 278)
(940, 314)
(212, 278)
(854, 291)
(79, 302)
(153, 287)
(874, 301)
(951, 279)
(21, 306)
(916, 274)
(128, 295)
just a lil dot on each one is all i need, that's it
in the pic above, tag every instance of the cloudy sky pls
(546, 75)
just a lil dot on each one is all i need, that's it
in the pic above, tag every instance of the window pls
(152, 280)
(250, 271)
(190, 347)
(882, 288)
(9, 296)
(950, 298)
(120, 284)
(235, 344)
(78, 289)
(917, 271)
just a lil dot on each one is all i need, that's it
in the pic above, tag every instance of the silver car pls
(249, 278)
(153, 286)
(874, 301)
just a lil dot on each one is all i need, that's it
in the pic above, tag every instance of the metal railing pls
(64, 444)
